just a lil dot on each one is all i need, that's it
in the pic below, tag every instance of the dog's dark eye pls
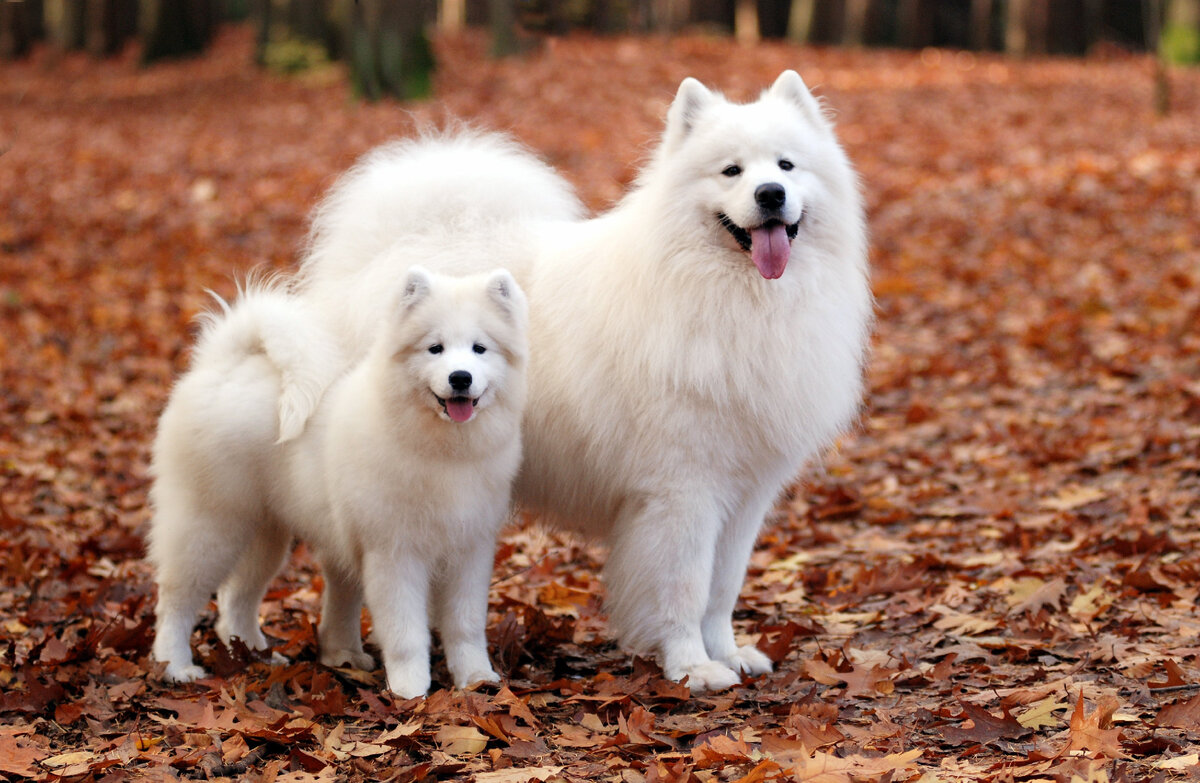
(732, 171)
(477, 348)
(786, 165)
(435, 348)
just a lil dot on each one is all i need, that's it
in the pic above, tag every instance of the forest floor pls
(994, 578)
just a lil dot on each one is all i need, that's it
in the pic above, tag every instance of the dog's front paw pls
(408, 680)
(706, 676)
(749, 660)
(355, 659)
(188, 672)
(486, 675)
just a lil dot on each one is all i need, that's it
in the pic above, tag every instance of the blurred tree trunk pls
(1093, 16)
(1016, 37)
(854, 24)
(307, 19)
(1038, 21)
(1180, 37)
(263, 18)
(981, 24)
(389, 51)
(603, 18)
(503, 20)
(20, 26)
(109, 23)
(915, 23)
(452, 15)
(64, 23)
(1027, 27)
(745, 22)
(800, 21)
(1153, 23)
(176, 28)
(667, 16)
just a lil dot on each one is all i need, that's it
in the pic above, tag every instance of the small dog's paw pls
(276, 659)
(408, 680)
(189, 672)
(749, 660)
(707, 676)
(355, 659)
(487, 675)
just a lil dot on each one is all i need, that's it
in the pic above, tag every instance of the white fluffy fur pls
(401, 504)
(674, 392)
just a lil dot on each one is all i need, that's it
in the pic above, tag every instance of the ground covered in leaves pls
(994, 578)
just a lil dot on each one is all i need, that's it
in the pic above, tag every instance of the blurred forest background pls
(386, 42)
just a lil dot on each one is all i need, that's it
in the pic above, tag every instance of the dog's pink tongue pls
(770, 249)
(459, 409)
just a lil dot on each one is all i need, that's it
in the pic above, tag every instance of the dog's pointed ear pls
(417, 285)
(690, 100)
(791, 88)
(504, 292)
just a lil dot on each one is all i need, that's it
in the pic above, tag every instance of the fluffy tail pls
(266, 320)
(437, 183)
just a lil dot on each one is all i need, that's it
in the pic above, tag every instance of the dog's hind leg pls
(658, 576)
(734, 545)
(192, 556)
(340, 630)
(241, 594)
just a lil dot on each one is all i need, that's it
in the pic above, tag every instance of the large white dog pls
(691, 349)
(399, 474)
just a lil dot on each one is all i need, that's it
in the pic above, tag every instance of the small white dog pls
(398, 472)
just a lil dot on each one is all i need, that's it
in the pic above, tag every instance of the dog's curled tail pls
(268, 321)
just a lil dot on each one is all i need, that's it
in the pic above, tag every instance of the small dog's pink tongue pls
(770, 249)
(459, 409)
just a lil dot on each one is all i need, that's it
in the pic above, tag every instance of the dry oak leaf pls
(1094, 734)
(524, 775)
(1181, 715)
(19, 753)
(1091, 604)
(638, 729)
(760, 773)
(1181, 763)
(821, 767)
(559, 600)
(1030, 594)
(812, 733)
(985, 727)
(1175, 676)
(869, 681)
(460, 740)
(720, 750)
(1042, 713)
(1072, 496)
(961, 623)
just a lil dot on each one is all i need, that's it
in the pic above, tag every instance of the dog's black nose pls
(770, 196)
(460, 380)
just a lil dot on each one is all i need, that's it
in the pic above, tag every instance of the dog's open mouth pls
(769, 245)
(459, 409)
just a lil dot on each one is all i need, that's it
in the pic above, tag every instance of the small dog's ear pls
(690, 100)
(791, 88)
(417, 284)
(503, 289)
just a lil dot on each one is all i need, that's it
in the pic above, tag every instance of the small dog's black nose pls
(770, 196)
(460, 380)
